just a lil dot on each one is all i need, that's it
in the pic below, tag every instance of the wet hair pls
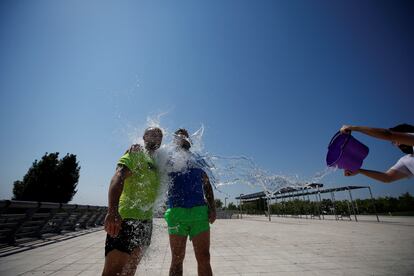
(405, 128)
(186, 143)
(182, 131)
(156, 129)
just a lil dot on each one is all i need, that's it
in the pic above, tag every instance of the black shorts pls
(133, 234)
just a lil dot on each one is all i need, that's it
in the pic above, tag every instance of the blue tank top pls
(186, 189)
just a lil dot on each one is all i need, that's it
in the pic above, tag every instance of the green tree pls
(219, 203)
(406, 202)
(231, 206)
(51, 179)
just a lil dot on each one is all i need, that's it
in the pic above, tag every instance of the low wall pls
(28, 219)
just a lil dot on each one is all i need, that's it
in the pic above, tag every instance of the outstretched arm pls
(113, 219)
(208, 193)
(386, 177)
(382, 133)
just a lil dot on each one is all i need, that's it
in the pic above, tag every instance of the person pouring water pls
(401, 136)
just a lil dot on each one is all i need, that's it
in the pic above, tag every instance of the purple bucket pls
(346, 152)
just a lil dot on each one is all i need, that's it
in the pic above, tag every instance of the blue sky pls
(273, 80)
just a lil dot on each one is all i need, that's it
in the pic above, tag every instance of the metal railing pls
(20, 220)
(300, 193)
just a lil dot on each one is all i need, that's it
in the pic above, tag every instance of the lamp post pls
(269, 201)
(240, 205)
(225, 202)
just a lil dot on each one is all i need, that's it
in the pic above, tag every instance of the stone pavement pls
(251, 246)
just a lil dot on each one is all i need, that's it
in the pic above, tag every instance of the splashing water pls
(320, 175)
(224, 171)
(241, 170)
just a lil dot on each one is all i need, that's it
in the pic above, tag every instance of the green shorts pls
(187, 221)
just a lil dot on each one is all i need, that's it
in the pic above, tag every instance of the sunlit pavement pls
(251, 246)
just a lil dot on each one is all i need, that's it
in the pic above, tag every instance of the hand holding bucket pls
(346, 152)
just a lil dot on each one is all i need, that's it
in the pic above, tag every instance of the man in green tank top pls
(132, 194)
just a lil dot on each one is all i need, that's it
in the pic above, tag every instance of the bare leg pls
(121, 263)
(115, 262)
(131, 266)
(201, 244)
(177, 245)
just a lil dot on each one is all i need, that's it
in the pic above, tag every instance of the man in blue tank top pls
(190, 210)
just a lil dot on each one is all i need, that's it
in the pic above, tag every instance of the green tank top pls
(141, 188)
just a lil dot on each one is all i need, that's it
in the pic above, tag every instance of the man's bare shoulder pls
(122, 171)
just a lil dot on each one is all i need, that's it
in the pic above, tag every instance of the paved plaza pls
(251, 246)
